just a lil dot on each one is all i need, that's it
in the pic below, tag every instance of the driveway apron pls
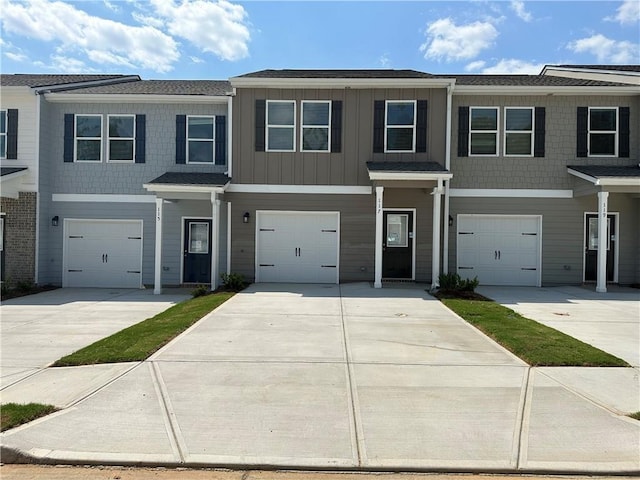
(328, 376)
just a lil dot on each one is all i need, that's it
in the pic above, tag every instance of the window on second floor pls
(122, 132)
(200, 139)
(3, 134)
(400, 126)
(316, 126)
(88, 138)
(603, 131)
(281, 125)
(518, 131)
(483, 131)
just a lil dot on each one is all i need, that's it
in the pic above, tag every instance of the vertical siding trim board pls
(421, 127)
(181, 139)
(260, 125)
(336, 126)
(623, 136)
(581, 127)
(463, 131)
(12, 134)
(378, 126)
(68, 137)
(221, 140)
(141, 138)
(539, 135)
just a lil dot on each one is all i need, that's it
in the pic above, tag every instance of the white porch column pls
(601, 285)
(215, 229)
(435, 249)
(378, 246)
(157, 282)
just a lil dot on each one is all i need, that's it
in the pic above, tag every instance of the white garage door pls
(102, 253)
(500, 249)
(299, 247)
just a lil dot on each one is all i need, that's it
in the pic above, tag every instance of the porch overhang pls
(189, 185)
(11, 181)
(617, 179)
(407, 172)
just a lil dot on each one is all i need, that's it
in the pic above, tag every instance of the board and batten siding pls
(550, 171)
(348, 167)
(562, 232)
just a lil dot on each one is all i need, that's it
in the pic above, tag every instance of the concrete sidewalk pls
(344, 377)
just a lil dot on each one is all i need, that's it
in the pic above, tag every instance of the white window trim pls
(109, 138)
(3, 153)
(530, 132)
(303, 126)
(614, 132)
(292, 127)
(212, 140)
(413, 126)
(496, 131)
(76, 138)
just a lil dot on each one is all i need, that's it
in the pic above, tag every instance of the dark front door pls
(591, 247)
(397, 244)
(197, 251)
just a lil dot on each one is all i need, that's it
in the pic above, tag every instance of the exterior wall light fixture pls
(246, 217)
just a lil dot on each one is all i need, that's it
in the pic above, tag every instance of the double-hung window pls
(518, 131)
(281, 125)
(400, 126)
(603, 131)
(483, 130)
(121, 142)
(3, 134)
(200, 139)
(316, 126)
(88, 138)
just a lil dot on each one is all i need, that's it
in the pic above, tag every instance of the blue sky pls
(218, 39)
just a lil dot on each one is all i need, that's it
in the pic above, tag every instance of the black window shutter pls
(141, 138)
(221, 140)
(181, 139)
(539, 135)
(336, 126)
(463, 131)
(581, 128)
(12, 134)
(68, 137)
(623, 136)
(421, 127)
(261, 112)
(378, 126)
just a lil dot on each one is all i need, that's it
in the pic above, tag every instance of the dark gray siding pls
(345, 168)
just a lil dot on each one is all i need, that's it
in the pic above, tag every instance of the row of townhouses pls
(322, 176)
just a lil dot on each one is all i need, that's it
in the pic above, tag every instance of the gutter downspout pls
(36, 270)
(230, 134)
(447, 166)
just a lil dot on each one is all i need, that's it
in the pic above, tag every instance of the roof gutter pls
(550, 91)
(133, 97)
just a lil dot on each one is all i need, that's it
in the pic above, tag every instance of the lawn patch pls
(14, 414)
(533, 342)
(139, 341)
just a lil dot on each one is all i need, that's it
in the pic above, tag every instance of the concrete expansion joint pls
(101, 387)
(519, 455)
(20, 380)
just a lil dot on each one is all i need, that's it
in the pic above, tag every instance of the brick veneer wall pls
(19, 237)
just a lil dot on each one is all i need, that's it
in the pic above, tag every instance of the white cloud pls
(76, 31)
(606, 50)
(384, 61)
(16, 57)
(64, 64)
(448, 41)
(518, 7)
(475, 66)
(216, 27)
(111, 6)
(627, 14)
(196, 59)
(148, 20)
(512, 66)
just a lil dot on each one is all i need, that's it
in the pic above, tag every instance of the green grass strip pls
(14, 414)
(533, 342)
(635, 416)
(139, 341)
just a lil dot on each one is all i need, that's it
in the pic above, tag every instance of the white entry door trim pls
(615, 233)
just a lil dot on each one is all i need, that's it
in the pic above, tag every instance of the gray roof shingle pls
(191, 178)
(608, 171)
(614, 68)
(406, 167)
(162, 87)
(530, 81)
(292, 73)
(41, 80)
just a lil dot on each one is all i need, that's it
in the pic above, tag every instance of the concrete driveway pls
(609, 321)
(327, 376)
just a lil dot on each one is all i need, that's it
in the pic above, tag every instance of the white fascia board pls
(153, 187)
(619, 182)
(409, 176)
(300, 189)
(133, 98)
(590, 70)
(86, 84)
(341, 82)
(101, 198)
(524, 90)
(13, 176)
(508, 193)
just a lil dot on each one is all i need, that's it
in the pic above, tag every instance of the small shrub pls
(468, 285)
(452, 282)
(232, 281)
(200, 291)
(25, 286)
